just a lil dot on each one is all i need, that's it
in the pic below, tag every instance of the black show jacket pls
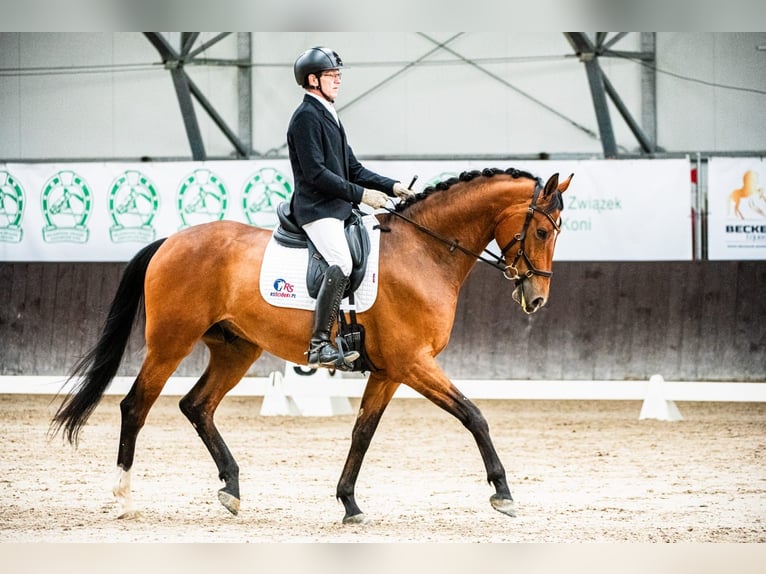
(328, 177)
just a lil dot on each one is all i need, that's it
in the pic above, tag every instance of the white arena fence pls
(506, 389)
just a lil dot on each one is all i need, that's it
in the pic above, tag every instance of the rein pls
(510, 272)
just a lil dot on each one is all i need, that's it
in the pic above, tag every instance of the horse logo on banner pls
(11, 208)
(261, 195)
(748, 197)
(66, 205)
(202, 198)
(133, 205)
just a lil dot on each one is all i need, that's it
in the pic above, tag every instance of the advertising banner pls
(736, 208)
(614, 210)
(108, 211)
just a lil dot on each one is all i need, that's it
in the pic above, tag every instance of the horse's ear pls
(551, 185)
(564, 185)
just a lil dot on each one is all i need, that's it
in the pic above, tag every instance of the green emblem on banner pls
(133, 205)
(66, 205)
(437, 179)
(261, 195)
(202, 197)
(11, 208)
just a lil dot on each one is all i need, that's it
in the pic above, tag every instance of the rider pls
(329, 181)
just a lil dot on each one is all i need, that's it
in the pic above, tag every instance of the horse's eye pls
(542, 234)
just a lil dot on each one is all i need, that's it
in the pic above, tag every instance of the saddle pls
(351, 334)
(289, 234)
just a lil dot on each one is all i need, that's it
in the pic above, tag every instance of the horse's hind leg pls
(377, 395)
(229, 361)
(134, 407)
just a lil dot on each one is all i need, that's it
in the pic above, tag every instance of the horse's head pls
(528, 239)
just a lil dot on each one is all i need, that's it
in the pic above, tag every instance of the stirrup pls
(346, 356)
(333, 358)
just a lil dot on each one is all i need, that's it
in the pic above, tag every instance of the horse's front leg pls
(427, 378)
(377, 395)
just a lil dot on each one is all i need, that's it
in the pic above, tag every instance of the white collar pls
(330, 108)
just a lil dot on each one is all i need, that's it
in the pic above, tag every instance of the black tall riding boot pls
(321, 352)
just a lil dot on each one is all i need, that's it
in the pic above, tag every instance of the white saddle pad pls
(283, 275)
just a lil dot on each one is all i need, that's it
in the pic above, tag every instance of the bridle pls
(520, 238)
(511, 271)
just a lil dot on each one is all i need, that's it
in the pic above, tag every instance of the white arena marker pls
(317, 393)
(308, 394)
(275, 401)
(655, 405)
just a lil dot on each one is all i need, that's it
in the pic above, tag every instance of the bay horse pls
(202, 283)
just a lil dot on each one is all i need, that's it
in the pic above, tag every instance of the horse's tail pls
(99, 366)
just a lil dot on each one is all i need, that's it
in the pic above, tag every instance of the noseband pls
(511, 271)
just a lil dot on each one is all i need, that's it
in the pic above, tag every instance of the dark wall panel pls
(614, 321)
(610, 321)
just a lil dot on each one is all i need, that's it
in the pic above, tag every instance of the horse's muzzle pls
(529, 302)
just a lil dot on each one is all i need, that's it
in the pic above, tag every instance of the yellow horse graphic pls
(748, 191)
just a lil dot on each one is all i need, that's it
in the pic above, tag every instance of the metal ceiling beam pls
(613, 40)
(167, 52)
(214, 40)
(586, 51)
(174, 64)
(217, 119)
(183, 93)
(646, 145)
(175, 61)
(600, 87)
(245, 90)
(187, 41)
(649, 87)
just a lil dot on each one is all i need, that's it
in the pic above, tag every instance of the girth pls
(289, 234)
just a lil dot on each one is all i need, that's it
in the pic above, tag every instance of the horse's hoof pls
(504, 505)
(355, 519)
(129, 515)
(231, 503)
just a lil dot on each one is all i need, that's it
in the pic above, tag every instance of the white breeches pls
(329, 237)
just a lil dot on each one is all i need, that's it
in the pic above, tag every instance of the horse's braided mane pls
(556, 203)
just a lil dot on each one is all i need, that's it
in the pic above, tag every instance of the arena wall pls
(604, 321)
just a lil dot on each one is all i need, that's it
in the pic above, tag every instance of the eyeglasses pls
(333, 75)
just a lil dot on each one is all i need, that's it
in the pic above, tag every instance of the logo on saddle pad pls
(283, 289)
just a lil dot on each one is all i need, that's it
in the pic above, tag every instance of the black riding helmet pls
(314, 61)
